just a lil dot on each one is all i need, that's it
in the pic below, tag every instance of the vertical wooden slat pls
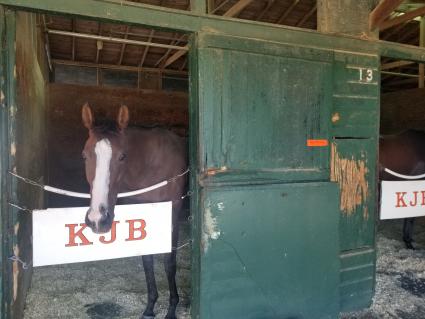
(3, 170)
(9, 214)
(421, 44)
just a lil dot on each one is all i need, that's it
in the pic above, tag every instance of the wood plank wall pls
(67, 134)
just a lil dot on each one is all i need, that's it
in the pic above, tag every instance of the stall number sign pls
(60, 235)
(401, 199)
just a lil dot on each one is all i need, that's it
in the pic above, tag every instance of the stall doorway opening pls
(106, 65)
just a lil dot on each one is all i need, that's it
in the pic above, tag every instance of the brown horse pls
(120, 159)
(405, 154)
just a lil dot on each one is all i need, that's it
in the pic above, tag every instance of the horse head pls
(104, 153)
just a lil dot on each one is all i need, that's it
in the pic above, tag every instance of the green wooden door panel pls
(270, 252)
(258, 111)
(357, 225)
(355, 110)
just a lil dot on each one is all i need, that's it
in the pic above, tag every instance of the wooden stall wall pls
(27, 150)
(67, 134)
(402, 110)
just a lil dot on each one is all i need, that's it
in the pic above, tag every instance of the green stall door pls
(270, 252)
(266, 234)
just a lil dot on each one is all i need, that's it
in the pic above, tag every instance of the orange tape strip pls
(317, 143)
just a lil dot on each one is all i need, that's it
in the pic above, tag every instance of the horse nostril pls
(102, 209)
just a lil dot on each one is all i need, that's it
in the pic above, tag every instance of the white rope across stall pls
(85, 195)
(402, 175)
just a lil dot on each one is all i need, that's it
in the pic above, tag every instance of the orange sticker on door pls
(317, 143)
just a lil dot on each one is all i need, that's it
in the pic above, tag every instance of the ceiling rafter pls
(403, 18)
(287, 12)
(269, 4)
(307, 16)
(395, 64)
(221, 5)
(237, 8)
(393, 31)
(174, 58)
(381, 12)
(145, 51)
(177, 39)
(123, 46)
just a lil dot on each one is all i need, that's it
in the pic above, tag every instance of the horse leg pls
(151, 284)
(170, 265)
(408, 232)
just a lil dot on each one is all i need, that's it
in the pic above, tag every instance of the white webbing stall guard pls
(60, 235)
(402, 199)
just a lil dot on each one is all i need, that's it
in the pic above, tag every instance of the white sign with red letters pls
(60, 235)
(401, 199)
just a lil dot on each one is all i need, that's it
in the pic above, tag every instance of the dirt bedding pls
(400, 277)
(116, 288)
(109, 289)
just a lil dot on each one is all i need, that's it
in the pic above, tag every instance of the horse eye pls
(122, 157)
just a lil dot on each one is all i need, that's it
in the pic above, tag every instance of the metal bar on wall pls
(115, 40)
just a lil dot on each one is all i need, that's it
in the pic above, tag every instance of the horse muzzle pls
(99, 221)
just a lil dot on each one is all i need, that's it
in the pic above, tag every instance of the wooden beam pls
(116, 67)
(175, 41)
(266, 8)
(403, 18)
(174, 58)
(287, 12)
(237, 8)
(381, 12)
(307, 16)
(221, 5)
(135, 13)
(145, 51)
(396, 64)
(408, 34)
(406, 75)
(123, 46)
(393, 31)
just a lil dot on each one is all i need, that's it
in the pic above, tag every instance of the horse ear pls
(123, 117)
(87, 116)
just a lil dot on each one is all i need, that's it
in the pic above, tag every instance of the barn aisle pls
(105, 289)
(400, 276)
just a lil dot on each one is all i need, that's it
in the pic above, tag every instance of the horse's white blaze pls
(100, 189)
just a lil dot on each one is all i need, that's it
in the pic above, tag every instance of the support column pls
(198, 6)
(346, 17)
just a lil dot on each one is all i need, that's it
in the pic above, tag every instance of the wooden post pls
(421, 44)
(345, 17)
(198, 6)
